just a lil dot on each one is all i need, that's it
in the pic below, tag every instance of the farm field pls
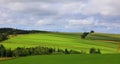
(66, 59)
(108, 43)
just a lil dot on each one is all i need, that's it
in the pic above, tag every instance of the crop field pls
(108, 43)
(66, 59)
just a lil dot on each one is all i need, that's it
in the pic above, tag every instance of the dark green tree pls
(91, 31)
(66, 51)
(84, 35)
(3, 36)
(2, 51)
(92, 51)
(98, 51)
(9, 53)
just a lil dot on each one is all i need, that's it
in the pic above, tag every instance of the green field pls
(108, 43)
(66, 59)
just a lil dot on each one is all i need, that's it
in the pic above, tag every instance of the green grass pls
(106, 42)
(105, 37)
(66, 59)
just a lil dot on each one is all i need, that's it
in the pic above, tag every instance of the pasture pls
(66, 59)
(108, 43)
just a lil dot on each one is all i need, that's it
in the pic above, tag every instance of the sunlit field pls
(108, 43)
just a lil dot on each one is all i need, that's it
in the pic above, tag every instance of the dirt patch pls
(5, 58)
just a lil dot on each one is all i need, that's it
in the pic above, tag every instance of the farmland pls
(108, 43)
(66, 59)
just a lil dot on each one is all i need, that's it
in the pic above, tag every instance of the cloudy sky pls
(61, 15)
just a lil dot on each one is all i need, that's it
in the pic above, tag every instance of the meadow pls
(108, 43)
(66, 59)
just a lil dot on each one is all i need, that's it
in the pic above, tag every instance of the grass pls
(105, 37)
(108, 43)
(66, 59)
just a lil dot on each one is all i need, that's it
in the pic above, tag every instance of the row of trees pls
(12, 31)
(22, 51)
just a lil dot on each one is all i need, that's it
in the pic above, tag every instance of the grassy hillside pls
(66, 59)
(108, 43)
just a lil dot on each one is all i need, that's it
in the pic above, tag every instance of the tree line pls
(19, 31)
(5, 32)
(22, 51)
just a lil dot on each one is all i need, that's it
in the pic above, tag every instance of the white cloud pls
(25, 7)
(3, 15)
(91, 23)
(90, 7)
(103, 7)
(47, 1)
(87, 21)
(72, 7)
(42, 23)
(16, 6)
(9, 21)
(109, 25)
(80, 23)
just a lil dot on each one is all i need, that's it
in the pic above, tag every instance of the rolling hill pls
(108, 43)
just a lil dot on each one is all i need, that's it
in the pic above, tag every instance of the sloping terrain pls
(108, 43)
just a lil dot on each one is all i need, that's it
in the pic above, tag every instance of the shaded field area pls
(108, 43)
(66, 59)
(105, 37)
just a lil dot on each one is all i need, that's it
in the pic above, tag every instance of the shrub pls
(94, 51)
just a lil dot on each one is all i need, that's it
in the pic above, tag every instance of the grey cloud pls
(41, 13)
(35, 9)
(47, 1)
(55, 13)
